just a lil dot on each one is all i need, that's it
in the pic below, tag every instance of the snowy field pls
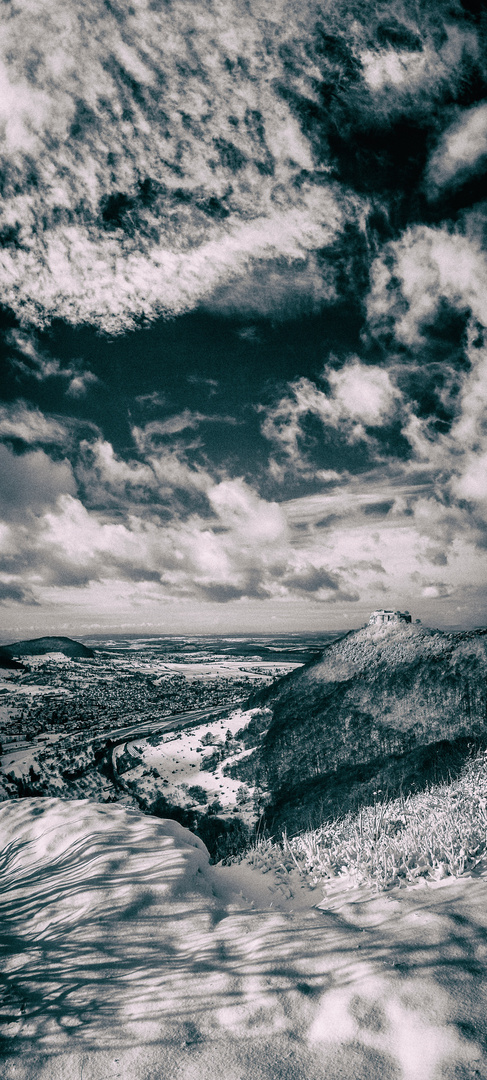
(179, 758)
(127, 955)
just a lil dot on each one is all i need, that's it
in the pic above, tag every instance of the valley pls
(231, 743)
(137, 724)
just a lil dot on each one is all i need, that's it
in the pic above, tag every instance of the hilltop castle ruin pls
(381, 616)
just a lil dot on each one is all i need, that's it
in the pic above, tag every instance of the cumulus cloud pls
(415, 273)
(472, 483)
(358, 396)
(241, 548)
(466, 443)
(79, 383)
(436, 589)
(363, 394)
(426, 272)
(239, 508)
(234, 546)
(425, 269)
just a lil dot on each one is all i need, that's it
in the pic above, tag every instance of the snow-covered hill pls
(125, 955)
(377, 711)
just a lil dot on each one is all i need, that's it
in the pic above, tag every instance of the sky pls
(243, 289)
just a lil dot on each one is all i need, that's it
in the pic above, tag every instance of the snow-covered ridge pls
(126, 955)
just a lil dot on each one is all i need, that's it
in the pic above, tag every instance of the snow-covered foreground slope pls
(126, 956)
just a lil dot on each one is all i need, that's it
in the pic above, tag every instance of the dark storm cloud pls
(319, 582)
(31, 483)
(223, 593)
(15, 593)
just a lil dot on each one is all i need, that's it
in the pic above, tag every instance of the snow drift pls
(125, 955)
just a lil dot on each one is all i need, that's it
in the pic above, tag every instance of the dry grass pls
(435, 833)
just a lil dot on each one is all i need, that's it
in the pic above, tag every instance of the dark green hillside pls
(40, 646)
(381, 708)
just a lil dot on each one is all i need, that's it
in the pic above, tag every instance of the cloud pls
(165, 160)
(12, 593)
(358, 397)
(282, 288)
(21, 421)
(234, 546)
(466, 444)
(472, 483)
(436, 589)
(264, 163)
(173, 424)
(107, 479)
(425, 269)
(253, 519)
(78, 384)
(41, 366)
(390, 68)
(436, 556)
(157, 159)
(422, 67)
(462, 149)
(31, 482)
(167, 466)
(444, 426)
(242, 548)
(416, 273)
(319, 583)
(162, 516)
(363, 394)
(152, 401)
